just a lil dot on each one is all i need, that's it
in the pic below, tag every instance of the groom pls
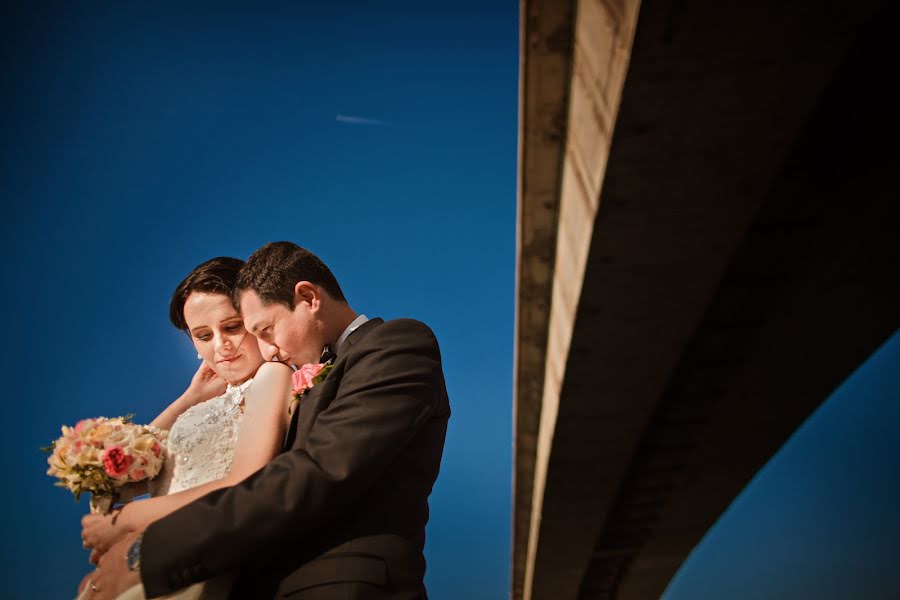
(341, 513)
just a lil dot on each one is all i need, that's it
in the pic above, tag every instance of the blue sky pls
(142, 139)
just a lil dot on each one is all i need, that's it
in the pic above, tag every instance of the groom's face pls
(290, 336)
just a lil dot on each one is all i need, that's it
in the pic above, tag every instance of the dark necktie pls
(327, 355)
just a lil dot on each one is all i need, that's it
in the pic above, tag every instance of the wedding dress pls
(201, 443)
(200, 449)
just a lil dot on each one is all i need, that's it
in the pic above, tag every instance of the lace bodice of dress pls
(201, 443)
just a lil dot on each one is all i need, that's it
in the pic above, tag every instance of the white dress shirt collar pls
(350, 329)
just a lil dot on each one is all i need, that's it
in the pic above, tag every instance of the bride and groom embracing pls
(262, 497)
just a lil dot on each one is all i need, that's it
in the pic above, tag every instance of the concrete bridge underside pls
(707, 248)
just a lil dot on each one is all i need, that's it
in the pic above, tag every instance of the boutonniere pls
(305, 378)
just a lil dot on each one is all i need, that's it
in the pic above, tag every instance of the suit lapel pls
(304, 414)
(291, 432)
(358, 334)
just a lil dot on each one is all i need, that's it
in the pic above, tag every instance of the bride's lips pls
(230, 359)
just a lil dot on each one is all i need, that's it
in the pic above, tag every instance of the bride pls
(214, 443)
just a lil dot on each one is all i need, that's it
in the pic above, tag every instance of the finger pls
(98, 553)
(103, 557)
(101, 590)
(85, 581)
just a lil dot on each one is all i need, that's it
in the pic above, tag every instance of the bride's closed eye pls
(232, 328)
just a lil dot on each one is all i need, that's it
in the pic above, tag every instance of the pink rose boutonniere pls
(305, 378)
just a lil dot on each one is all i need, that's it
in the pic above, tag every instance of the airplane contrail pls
(360, 120)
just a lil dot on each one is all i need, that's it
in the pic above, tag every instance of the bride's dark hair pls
(215, 276)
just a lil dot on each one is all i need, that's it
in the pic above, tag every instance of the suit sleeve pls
(387, 391)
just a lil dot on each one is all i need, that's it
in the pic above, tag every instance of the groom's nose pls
(268, 351)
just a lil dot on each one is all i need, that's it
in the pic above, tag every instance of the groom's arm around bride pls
(342, 512)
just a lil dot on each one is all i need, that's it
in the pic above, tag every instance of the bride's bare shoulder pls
(272, 372)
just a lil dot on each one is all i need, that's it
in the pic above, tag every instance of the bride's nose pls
(223, 345)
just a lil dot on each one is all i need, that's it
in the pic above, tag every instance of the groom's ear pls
(306, 293)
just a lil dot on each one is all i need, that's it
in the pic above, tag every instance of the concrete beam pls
(640, 340)
(546, 48)
(603, 35)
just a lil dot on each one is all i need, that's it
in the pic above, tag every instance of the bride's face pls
(218, 333)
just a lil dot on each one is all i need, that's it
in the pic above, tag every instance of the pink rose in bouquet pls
(102, 456)
(116, 462)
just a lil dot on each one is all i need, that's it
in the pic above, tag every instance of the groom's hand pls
(112, 576)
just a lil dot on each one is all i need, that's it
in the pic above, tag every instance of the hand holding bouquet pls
(102, 456)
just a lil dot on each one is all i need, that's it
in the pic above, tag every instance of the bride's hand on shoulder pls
(205, 384)
(100, 532)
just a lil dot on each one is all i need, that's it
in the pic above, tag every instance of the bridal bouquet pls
(102, 456)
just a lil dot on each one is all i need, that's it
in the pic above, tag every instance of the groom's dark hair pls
(274, 270)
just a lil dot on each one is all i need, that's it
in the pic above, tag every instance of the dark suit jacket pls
(342, 512)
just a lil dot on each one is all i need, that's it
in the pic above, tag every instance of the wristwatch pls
(133, 558)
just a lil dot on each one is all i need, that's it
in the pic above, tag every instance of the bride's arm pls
(259, 440)
(260, 437)
(205, 384)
